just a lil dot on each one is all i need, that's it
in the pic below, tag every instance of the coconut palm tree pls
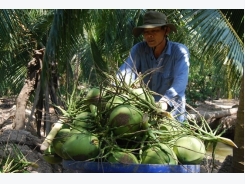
(222, 32)
(206, 32)
(238, 153)
(79, 45)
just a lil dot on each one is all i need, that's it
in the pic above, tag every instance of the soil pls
(29, 143)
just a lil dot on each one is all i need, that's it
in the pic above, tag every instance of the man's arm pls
(181, 72)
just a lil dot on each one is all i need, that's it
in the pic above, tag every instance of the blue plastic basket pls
(107, 167)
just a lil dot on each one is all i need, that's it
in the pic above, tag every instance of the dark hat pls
(153, 19)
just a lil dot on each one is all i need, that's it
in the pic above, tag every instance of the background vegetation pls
(85, 40)
(81, 44)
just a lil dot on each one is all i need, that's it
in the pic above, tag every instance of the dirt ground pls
(29, 143)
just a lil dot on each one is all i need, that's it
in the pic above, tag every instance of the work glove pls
(162, 105)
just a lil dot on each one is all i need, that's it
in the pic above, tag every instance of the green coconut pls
(189, 150)
(59, 140)
(169, 132)
(78, 130)
(84, 119)
(82, 146)
(143, 94)
(93, 96)
(125, 120)
(122, 157)
(159, 154)
(115, 101)
(50, 156)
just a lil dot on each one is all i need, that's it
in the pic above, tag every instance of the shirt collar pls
(167, 50)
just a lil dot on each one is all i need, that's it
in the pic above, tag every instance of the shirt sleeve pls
(128, 70)
(181, 72)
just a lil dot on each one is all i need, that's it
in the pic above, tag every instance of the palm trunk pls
(238, 153)
(34, 67)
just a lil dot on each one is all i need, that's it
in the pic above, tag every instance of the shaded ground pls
(29, 143)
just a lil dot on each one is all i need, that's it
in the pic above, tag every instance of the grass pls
(12, 160)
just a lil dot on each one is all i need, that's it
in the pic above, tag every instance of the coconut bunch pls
(123, 124)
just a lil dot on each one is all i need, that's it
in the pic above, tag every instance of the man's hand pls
(163, 105)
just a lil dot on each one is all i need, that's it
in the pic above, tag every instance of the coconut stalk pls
(50, 137)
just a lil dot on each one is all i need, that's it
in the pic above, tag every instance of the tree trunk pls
(238, 153)
(33, 72)
(208, 116)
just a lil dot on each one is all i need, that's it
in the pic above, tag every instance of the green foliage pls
(90, 42)
(13, 160)
(207, 81)
(208, 36)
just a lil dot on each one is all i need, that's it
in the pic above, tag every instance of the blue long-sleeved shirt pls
(167, 75)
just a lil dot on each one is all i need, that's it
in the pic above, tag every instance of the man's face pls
(154, 36)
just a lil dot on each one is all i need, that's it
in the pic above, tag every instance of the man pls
(163, 64)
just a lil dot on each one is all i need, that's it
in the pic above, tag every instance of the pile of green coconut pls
(125, 125)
